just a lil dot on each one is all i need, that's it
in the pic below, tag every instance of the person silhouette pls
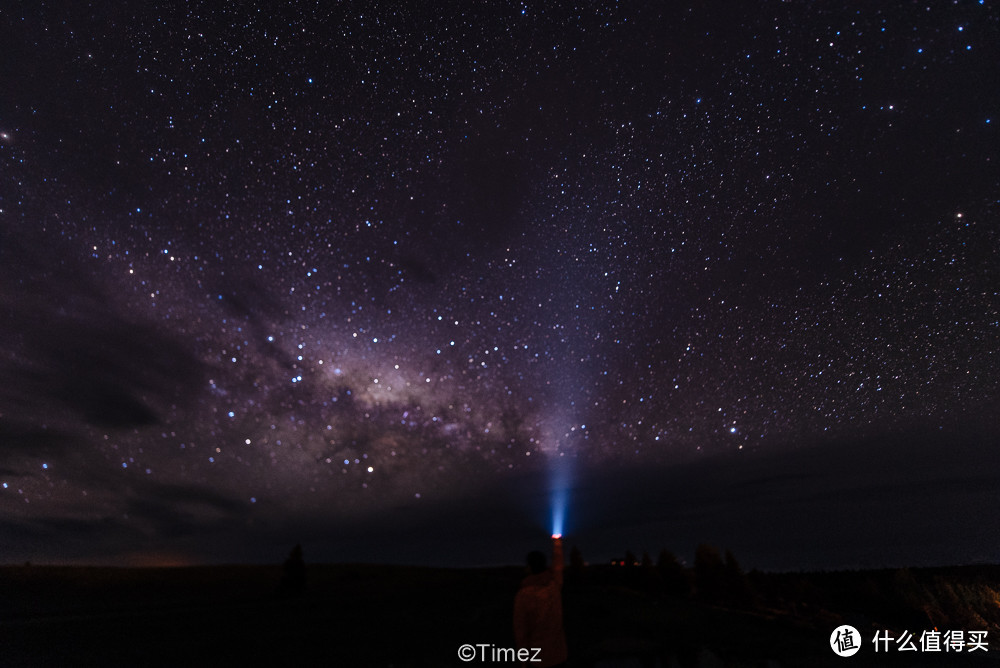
(538, 616)
(293, 573)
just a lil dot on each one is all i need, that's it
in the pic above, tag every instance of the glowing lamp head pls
(556, 536)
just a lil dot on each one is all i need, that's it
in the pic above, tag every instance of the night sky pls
(371, 277)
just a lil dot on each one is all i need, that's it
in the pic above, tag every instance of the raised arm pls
(557, 559)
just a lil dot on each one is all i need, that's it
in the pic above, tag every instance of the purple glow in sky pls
(286, 273)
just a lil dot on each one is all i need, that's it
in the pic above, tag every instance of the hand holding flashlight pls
(557, 557)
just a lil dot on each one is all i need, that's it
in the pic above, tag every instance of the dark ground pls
(357, 615)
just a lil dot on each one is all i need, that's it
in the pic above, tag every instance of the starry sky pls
(372, 277)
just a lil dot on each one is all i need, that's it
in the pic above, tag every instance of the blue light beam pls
(561, 473)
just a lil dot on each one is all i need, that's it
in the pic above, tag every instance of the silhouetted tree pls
(293, 573)
(576, 562)
(675, 578)
(735, 580)
(708, 572)
(650, 580)
(630, 559)
(667, 559)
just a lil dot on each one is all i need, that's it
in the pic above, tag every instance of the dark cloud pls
(73, 355)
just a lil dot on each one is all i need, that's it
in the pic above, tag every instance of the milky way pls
(308, 266)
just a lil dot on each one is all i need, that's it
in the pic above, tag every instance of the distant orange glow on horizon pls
(156, 560)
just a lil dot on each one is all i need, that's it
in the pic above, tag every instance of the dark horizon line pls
(351, 564)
